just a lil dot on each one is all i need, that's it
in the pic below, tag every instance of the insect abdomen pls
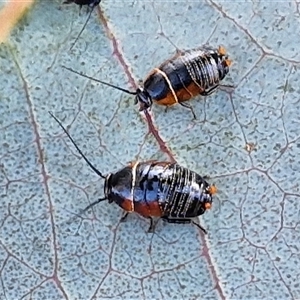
(165, 189)
(187, 74)
(183, 194)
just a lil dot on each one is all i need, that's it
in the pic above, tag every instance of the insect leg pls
(189, 107)
(227, 87)
(92, 204)
(199, 226)
(209, 91)
(183, 221)
(177, 221)
(152, 226)
(124, 217)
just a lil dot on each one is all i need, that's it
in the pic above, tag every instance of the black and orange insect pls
(155, 189)
(91, 4)
(182, 77)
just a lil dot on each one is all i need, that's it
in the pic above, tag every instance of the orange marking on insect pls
(189, 92)
(212, 189)
(151, 209)
(127, 205)
(168, 100)
(228, 62)
(168, 82)
(207, 205)
(182, 95)
(222, 50)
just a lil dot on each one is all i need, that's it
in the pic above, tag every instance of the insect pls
(155, 189)
(90, 4)
(182, 77)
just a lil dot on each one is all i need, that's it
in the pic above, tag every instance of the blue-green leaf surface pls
(246, 139)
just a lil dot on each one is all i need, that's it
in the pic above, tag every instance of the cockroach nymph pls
(187, 74)
(91, 4)
(155, 189)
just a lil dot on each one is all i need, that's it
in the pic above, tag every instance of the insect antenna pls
(78, 36)
(93, 204)
(83, 211)
(75, 145)
(100, 81)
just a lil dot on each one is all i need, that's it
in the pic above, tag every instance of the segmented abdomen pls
(166, 189)
(183, 193)
(204, 66)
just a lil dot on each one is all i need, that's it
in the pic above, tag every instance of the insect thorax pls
(117, 186)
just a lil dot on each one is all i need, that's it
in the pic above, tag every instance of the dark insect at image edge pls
(182, 77)
(155, 189)
(90, 3)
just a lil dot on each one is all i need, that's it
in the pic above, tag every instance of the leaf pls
(246, 140)
(10, 13)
